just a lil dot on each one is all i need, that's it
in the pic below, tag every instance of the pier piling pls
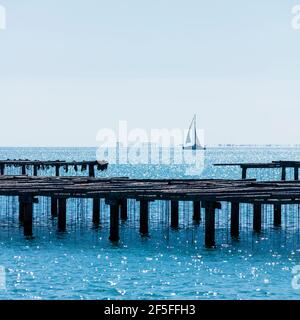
(62, 214)
(96, 211)
(21, 210)
(144, 217)
(174, 214)
(114, 222)
(124, 208)
(54, 207)
(209, 224)
(197, 211)
(257, 210)
(277, 215)
(26, 203)
(235, 219)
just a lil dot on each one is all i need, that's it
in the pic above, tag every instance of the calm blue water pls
(83, 264)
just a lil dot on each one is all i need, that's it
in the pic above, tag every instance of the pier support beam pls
(144, 217)
(54, 207)
(283, 173)
(124, 208)
(296, 173)
(197, 211)
(277, 215)
(235, 219)
(244, 173)
(209, 223)
(23, 170)
(92, 170)
(96, 211)
(257, 209)
(62, 214)
(2, 169)
(114, 222)
(174, 214)
(35, 171)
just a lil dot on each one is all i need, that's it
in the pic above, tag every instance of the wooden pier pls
(283, 165)
(35, 166)
(207, 194)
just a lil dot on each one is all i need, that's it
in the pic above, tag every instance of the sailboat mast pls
(195, 130)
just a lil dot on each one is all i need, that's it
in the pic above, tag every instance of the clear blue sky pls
(69, 68)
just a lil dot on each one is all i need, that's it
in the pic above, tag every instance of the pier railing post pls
(209, 223)
(96, 211)
(174, 214)
(277, 215)
(283, 173)
(114, 221)
(62, 214)
(244, 173)
(296, 173)
(57, 167)
(235, 219)
(197, 211)
(91, 170)
(144, 217)
(2, 169)
(124, 209)
(257, 210)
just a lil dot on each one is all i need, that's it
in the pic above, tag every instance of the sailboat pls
(192, 141)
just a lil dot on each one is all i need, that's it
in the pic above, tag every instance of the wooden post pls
(197, 211)
(96, 211)
(35, 171)
(57, 167)
(244, 173)
(296, 173)
(2, 169)
(54, 207)
(277, 215)
(257, 208)
(114, 222)
(144, 212)
(209, 224)
(124, 206)
(62, 214)
(174, 214)
(23, 170)
(283, 173)
(235, 219)
(26, 205)
(91, 170)
(21, 210)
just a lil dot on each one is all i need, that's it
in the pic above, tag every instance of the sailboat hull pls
(193, 148)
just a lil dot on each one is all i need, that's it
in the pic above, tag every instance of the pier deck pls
(207, 194)
(37, 165)
(283, 165)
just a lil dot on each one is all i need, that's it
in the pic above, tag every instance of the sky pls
(71, 68)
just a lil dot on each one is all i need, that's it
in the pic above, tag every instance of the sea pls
(83, 264)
